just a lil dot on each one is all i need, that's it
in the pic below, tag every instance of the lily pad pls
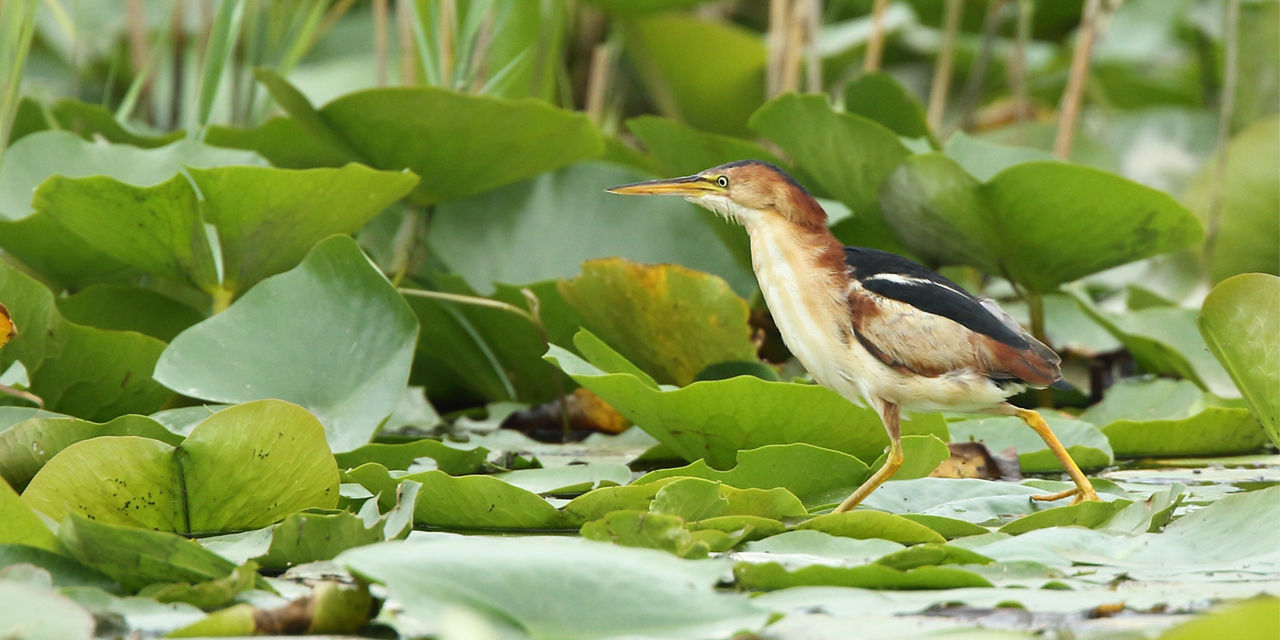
(28, 445)
(790, 466)
(1164, 417)
(230, 474)
(715, 419)
(557, 587)
(771, 576)
(670, 321)
(1013, 225)
(91, 373)
(865, 523)
(878, 96)
(21, 525)
(136, 557)
(1240, 322)
(1087, 445)
(1085, 514)
(35, 612)
(334, 313)
(453, 460)
(717, 94)
(128, 308)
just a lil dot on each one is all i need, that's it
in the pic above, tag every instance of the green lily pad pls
(695, 499)
(769, 576)
(128, 308)
(1240, 323)
(91, 373)
(453, 460)
(1085, 514)
(561, 218)
(948, 528)
(1014, 225)
(28, 445)
(1164, 417)
(790, 466)
(818, 139)
(557, 587)
(671, 321)
(1087, 445)
(208, 594)
(464, 503)
(53, 250)
(161, 229)
(878, 96)
(334, 313)
(231, 473)
(719, 93)
(684, 150)
(864, 523)
(928, 554)
(568, 479)
(136, 557)
(1253, 619)
(308, 536)
(21, 525)
(1250, 198)
(63, 570)
(649, 531)
(715, 419)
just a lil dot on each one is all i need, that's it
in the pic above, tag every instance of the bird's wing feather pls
(914, 319)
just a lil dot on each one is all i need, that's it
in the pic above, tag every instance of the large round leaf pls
(1240, 322)
(245, 467)
(27, 446)
(1041, 224)
(331, 335)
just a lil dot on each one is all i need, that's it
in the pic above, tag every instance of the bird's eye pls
(723, 181)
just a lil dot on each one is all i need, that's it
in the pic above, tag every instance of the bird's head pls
(744, 192)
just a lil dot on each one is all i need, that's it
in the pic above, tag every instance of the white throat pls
(728, 209)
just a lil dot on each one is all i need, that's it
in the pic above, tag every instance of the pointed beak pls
(686, 186)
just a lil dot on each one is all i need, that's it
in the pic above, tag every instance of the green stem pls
(222, 297)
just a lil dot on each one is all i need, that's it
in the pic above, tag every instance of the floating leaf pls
(464, 503)
(33, 612)
(1013, 225)
(91, 373)
(208, 594)
(864, 523)
(715, 419)
(453, 460)
(789, 466)
(557, 587)
(872, 576)
(1247, 220)
(28, 445)
(1253, 619)
(128, 308)
(671, 321)
(1087, 446)
(308, 536)
(717, 94)
(1164, 417)
(1090, 514)
(1240, 323)
(355, 329)
(647, 530)
(230, 474)
(21, 526)
(136, 557)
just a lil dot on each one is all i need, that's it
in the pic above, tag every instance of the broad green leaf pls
(309, 536)
(468, 351)
(647, 530)
(63, 570)
(683, 150)
(1250, 620)
(453, 460)
(245, 467)
(27, 446)
(847, 155)
(984, 159)
(464, 503)
(1085, 514)
(21, 525)
(161, 229)
(809, 542)
(1015, 225)
(879, 97)
(596, 504)
(670, 321)
(707, 74)
(760, 577)
(45, 245)
(237, 620)
(921, 455)
(1248, 221)
(91, 373)
(979, 502)
(569, 478)
(1087, 446)
(864, 523)
(94, 121)
(695, 499)
(789, 466)
(463, 144)
(128, 308)
(136, 557)
(1164, 417)
(208, 594)
(331, 335)
(545, 227)
(1240, 323)
(949, 528)
(558, 587)
(715, 419)
(34, 612)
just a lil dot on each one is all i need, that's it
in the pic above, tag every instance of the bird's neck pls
(786, 254)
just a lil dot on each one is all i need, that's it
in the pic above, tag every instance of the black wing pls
(898, 278)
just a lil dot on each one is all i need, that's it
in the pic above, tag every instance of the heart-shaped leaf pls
(334, 314)
(1240, 321)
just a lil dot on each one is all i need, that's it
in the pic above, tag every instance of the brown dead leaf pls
(588, 413)
(8, 330)
(973, 460)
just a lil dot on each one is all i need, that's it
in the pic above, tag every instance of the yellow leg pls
(889, 415)
(1084, 489)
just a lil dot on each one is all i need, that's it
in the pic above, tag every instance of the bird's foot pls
(1082, 494)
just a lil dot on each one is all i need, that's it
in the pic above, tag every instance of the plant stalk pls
(1069, 107)
(1230, 77)
(942, 69)
(875, 46)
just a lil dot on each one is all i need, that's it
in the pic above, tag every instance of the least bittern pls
(873, 325)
